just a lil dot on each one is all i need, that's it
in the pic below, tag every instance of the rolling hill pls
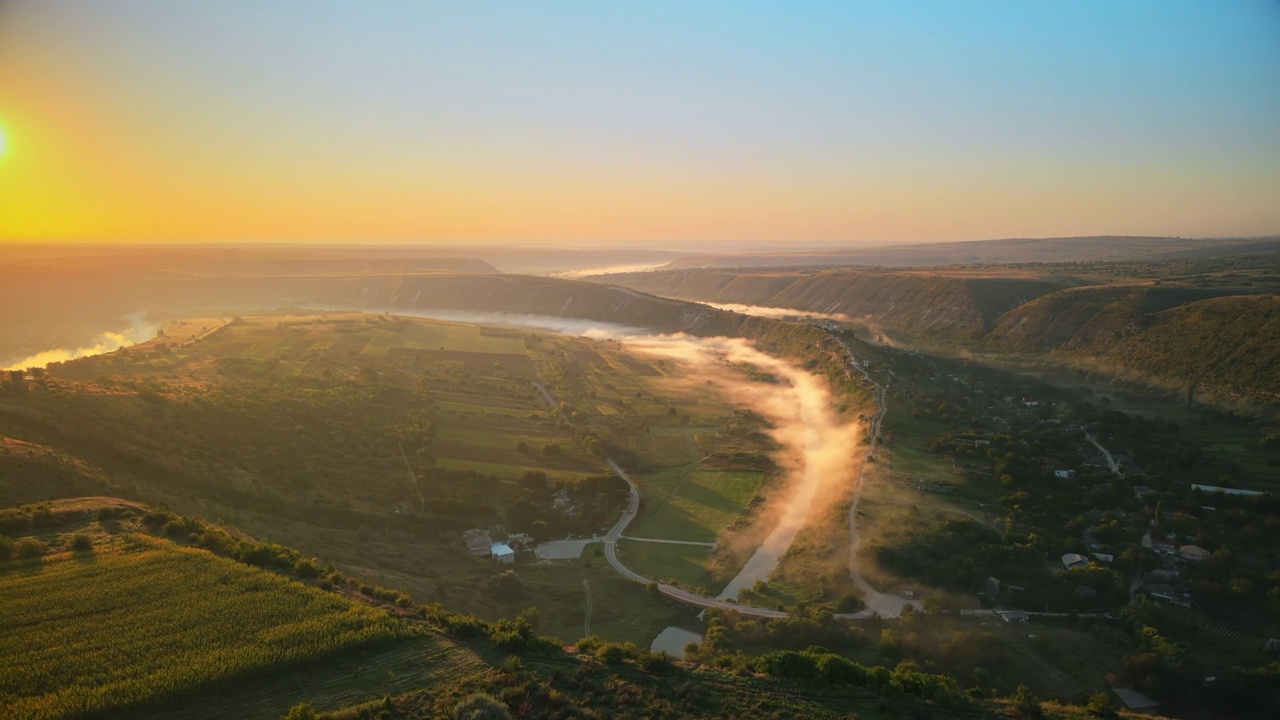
(957, 305)
(1208, 323)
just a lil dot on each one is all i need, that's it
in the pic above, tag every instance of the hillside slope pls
(943, 305)
(1088, 317)
(1007, 250)
(1209, 338)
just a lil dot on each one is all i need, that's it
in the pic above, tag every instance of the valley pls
(647, 459)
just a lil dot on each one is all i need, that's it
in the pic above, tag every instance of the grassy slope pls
(1182, 336)
(916, 303)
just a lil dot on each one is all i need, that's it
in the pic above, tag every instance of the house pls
(1074, 560)
(1013, 616)
(560, 499)
(1162, 592)
(1029, 402)
(1164, 547)
(1194, 553)
(1064, 473)
(478, 542)
(1104, 557)
(503, 553)
(990, 589)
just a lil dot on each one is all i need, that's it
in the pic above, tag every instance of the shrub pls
(654, 662)
(301, 711)
(81, 542)
(6, 548)
(28, 549)
(481, 706)
(306, 569)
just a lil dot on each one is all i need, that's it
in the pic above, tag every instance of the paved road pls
(1115, 467)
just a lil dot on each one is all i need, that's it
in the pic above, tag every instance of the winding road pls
(877, 603)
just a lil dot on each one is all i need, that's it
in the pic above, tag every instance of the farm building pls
(478, 542)
(1194, 553)
(503, 553)
(1074, 560)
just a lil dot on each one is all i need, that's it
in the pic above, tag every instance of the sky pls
(646, 124)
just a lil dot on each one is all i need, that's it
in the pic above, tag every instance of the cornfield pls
(154, 622)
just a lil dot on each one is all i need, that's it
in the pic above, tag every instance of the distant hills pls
(1209, 323)
(1012, 250)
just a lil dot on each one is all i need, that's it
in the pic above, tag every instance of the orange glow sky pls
(648, 123)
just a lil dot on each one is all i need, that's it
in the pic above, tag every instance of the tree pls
(540, 531)
(481, 706)
(522, 447)
(532, 479)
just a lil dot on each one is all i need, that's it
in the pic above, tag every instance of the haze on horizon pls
(655, 124)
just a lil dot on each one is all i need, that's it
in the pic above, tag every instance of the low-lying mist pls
(609, 270)
(818, 446)
(138, 330)
(776, 312)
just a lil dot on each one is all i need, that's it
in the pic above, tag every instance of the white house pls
(1063, 473)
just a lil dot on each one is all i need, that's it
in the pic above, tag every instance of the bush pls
(6, 548)
(654, 662)
(301, 711)
(28, 549)
(306, 569)
(1099, 705)
(481, 706)
(81, 542)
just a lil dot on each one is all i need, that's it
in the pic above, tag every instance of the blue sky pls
(811, 123)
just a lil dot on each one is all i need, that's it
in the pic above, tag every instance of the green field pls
(694, 505)
(685, 564)
(148, 621)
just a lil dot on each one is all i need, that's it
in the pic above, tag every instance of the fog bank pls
(138, 331)
(776, 312)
